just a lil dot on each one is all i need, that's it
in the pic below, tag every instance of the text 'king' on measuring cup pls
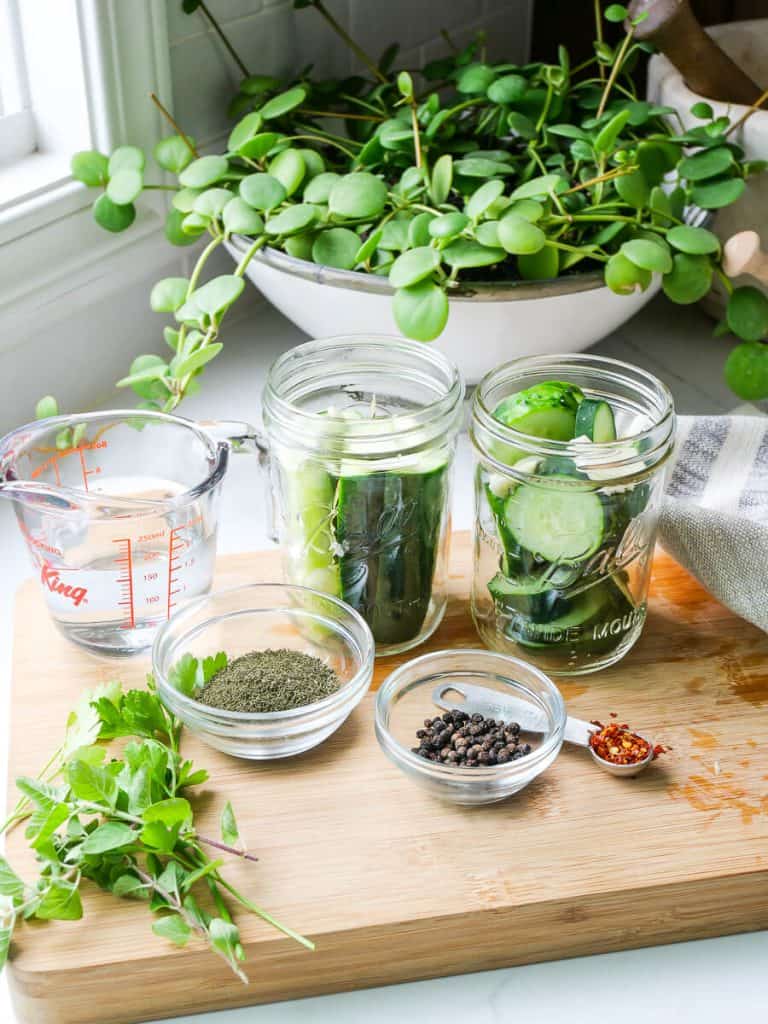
(119, 511)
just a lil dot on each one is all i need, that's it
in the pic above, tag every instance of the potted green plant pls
(444, 195)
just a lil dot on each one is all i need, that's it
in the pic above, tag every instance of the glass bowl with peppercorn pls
(468, 754)
(265, 670)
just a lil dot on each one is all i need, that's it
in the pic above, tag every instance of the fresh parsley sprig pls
(124, 823)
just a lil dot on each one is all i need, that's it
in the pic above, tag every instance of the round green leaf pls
(421, 311)
(240, 218)
(648, 255)
(173, 154)
(481, 167)
(300, 246)
(487, 234)
(615, 12)
(655, 159)
(195, 223)
(244, 131)
(605, 140)
(418, 230)
(465, 252)
(633, 189)
(90, 167)
(706, 164)
(292, 220)
(313, 162)
(528, 208)
(283, 102)
(46, 407)
(111, 216)
(521, 125)
(719, 192)
(211, 202)
(257, 85)
(394, 236)
(169, 294)
(184, 199)
(483, 197)
(746, 371)
(218, 294)
(126, 158)
(540, 186)
(747, 313)
(507, 89)
(519, 236)
(124, 186)
(319, 189)
(689, 280)
(405, 85)
(289, 169)
(336, 247)
(475, 79)
(261, 144)
(174, 230)
(703, 111)
(369, 246)
(204, 171)
(624, 277)
(540, 266)
(442, 179)
(448, 225)
(697, 241)
(358, 195)
(262, 191)
(413, 266)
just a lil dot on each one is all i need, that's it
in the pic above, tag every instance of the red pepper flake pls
(618, 744)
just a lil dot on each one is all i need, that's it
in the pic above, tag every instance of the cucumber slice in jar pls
(561, 525)
(594, 420)
(546, 410)
(310, 493)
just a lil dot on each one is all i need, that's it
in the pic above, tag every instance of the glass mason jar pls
(361, 434)
(565, 530)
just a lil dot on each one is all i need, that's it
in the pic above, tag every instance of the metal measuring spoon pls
(492, 704)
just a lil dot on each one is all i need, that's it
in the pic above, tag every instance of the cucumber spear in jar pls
(369, 537)
(560, 586)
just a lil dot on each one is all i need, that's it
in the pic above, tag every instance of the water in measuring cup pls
(110, 583)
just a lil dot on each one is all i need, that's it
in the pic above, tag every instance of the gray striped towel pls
(715, 516)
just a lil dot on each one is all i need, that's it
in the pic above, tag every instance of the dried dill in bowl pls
(260, 682)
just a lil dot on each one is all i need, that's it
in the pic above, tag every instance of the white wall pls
(77, 347)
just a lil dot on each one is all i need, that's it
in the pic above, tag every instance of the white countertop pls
(706, 982)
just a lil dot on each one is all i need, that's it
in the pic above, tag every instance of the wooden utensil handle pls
(672, 26)
(742, 254)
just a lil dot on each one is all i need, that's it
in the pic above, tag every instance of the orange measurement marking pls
(125, 581)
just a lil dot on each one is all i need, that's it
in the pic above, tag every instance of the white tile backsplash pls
(273, 38)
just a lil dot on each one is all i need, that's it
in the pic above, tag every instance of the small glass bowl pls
(405, 700)
(256, 617)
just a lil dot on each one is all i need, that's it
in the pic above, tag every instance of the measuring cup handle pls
(243, 438)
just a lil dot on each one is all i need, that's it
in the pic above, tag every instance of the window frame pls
(125, 56)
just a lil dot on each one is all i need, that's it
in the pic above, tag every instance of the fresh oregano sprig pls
(492, 172)
(125, 823)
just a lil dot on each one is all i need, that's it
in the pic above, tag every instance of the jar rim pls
(405, 428)
(651, 445)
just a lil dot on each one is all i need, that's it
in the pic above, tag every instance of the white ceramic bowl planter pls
(488, 323)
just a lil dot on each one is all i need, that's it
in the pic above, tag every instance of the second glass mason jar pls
(361, 434)
(565, 530)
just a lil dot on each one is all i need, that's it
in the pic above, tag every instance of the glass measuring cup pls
(119, 511)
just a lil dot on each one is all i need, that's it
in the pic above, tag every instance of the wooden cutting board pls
(394, 886)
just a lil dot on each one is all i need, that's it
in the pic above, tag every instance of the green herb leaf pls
(46, 407)
(239, 218)
(60, 902)
(110, 836)
(605, 140)
(539, 266)
(442, 179)
(519, 236)
(625, 277)
(218, 294)
(92, 783)
(172, 927)
(183, 675)
(10, 883)
(126, 158)
(244, 131)
(706, 164)
(633, 189)
(289, 169)
(483, 198)
(507, 89)
(540, 186)
(283, 103)
(648, 255)
(336, 247)
(615, 12)
(465, 252)
(717, 192)
(211, 202)
(229, 831)
(174, 811)
(198, 359)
